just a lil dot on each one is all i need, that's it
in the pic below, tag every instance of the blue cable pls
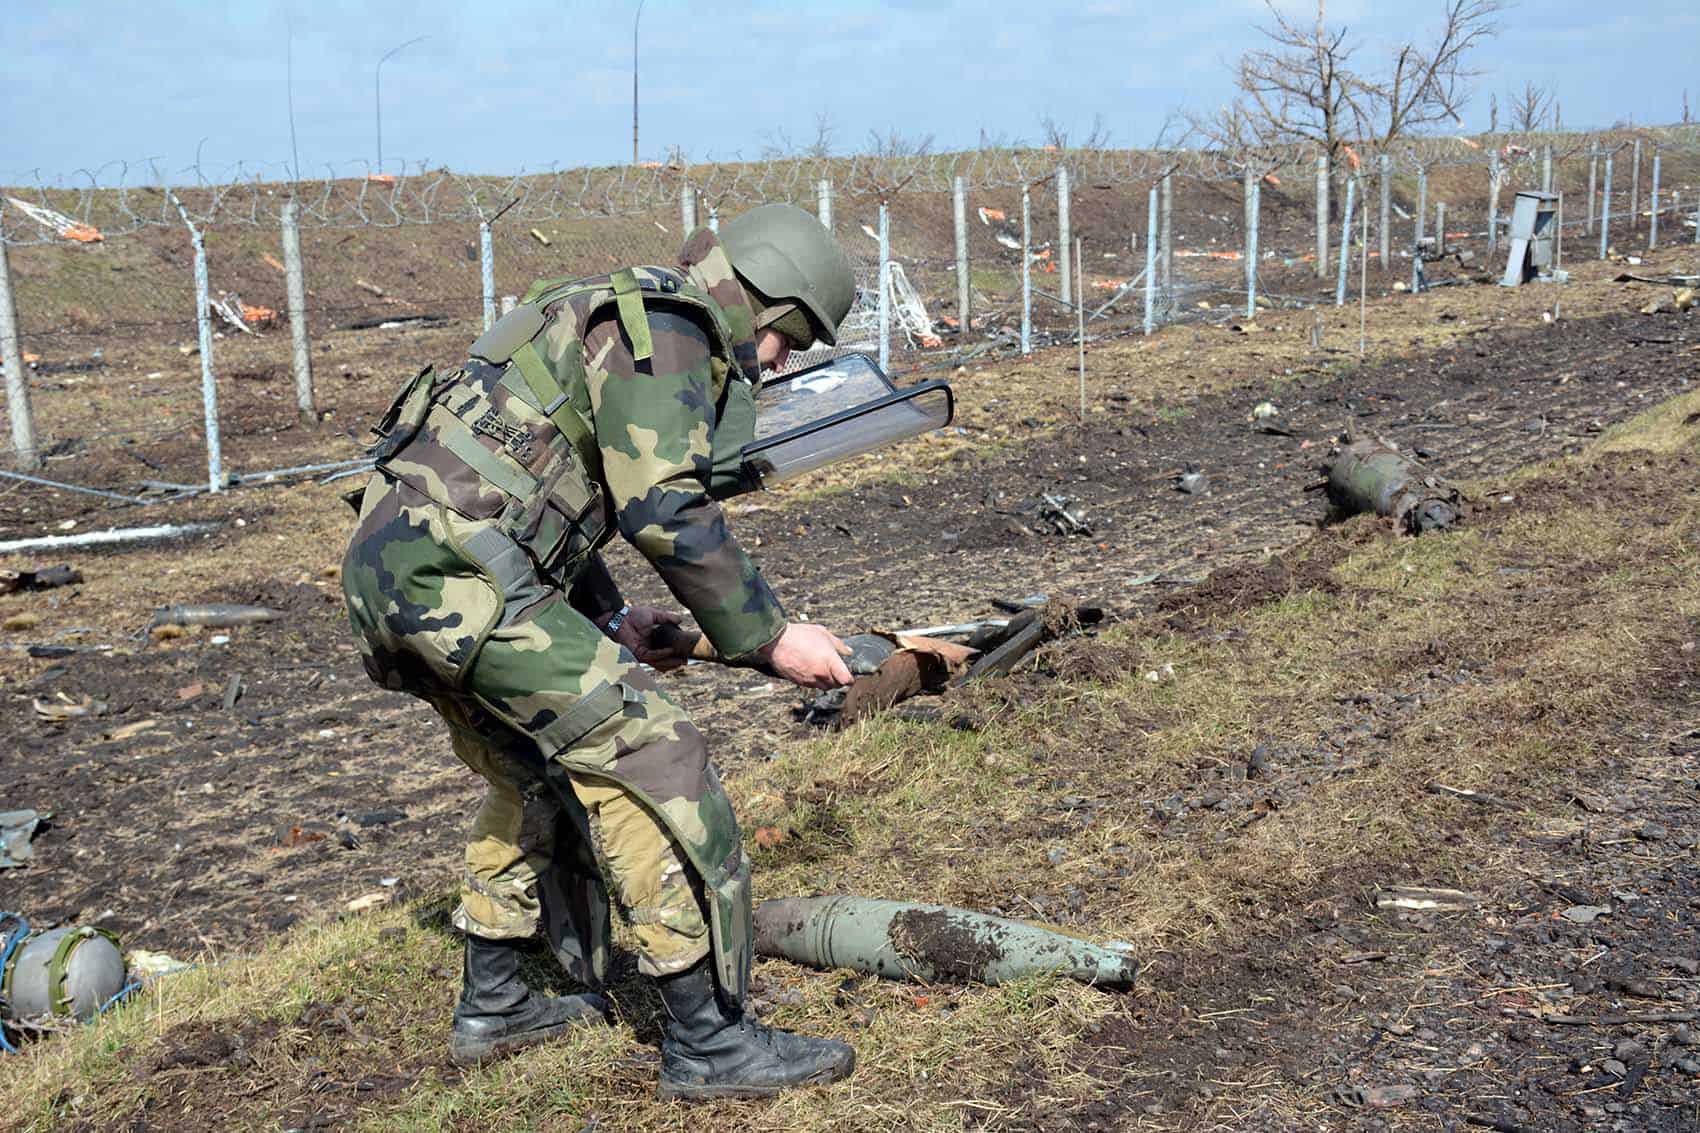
(12, 943)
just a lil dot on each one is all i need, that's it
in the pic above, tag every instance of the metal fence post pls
(1605, 210)
(1440, 227)
(823, 202)
(1322, 217)
(964, 293)
(1065, 239)
(301, 351)
(24, 454)
(885, 285)
(1635, 186)
(1417, 229)
(1151, 261)
(1494, 175)
(1653, 200)
(1026, 270)
(1386, 219)
(1546, 168)
(1166, 243)
(714, 218)
(1593, 181)
(203, 321)
(1345, 243)
(687, 208)
(1251, 210)
(487, 272)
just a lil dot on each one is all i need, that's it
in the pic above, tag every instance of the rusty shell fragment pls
(1373, 476)
(925, 943)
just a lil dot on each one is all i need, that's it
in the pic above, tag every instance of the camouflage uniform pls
(472, 581)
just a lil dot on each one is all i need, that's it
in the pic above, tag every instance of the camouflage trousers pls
(445, 611)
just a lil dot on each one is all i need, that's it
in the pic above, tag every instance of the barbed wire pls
(123, 197)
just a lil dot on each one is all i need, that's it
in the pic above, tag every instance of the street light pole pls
(378, 92)
(635, 20)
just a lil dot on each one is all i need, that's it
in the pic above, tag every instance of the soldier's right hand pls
(809, 655)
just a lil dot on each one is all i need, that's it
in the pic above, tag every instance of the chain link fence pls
(165, 334)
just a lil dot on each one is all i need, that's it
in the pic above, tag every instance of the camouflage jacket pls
(597, 410)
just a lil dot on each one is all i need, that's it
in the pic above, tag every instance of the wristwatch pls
(617, 620)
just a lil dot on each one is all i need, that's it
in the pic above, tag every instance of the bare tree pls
(1530, 108)
(895, 144)
(1307, 86)
(825, 130)
(1057, 136)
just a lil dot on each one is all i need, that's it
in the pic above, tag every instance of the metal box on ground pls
(1534, 233)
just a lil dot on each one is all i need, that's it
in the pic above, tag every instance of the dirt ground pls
(213, 789)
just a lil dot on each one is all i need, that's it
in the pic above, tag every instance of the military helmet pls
(788, 256)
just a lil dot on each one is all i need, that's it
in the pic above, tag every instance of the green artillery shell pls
(1367, 475)
(924, 943)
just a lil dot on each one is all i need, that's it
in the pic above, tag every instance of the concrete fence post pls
(964, 290)
(1026, 270)
(1065, 239)
(1345, 243)
(487, 272)
(1386, 218)
(1440, 227)
(203, 323)
(885, 286)
(1546, 168)
(1593, 182)
(1653, 202)
(1166, 242)
(1605, 211)
(24, 454)
(300, 348)
(1495, 173)
(687, 208)
(823, 202)
(1151, 260)
(1417, 233)
(1635, 185)
(1322, 217)
(1251, 210)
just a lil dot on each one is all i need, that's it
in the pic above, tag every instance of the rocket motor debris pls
(1373, 476)
(924, 943)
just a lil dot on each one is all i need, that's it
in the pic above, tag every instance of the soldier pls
(473, 581)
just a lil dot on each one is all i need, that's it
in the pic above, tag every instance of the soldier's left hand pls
(634, 634)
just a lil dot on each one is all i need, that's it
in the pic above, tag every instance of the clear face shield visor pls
(841, 408)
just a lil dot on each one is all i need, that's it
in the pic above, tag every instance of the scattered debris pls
(64, 708)
(60, 224)
(1585, 914)
(1371, 475)
(1375, 1097)
(923, 943)
(1064, 516)
(369, 287)
(1192, 481)
(539, 237)
(216, 615)
(17, 828)
(1476, 797)
(107, 538)
(368, 901)
(1424, 900)
(12, 581)
(151, 965)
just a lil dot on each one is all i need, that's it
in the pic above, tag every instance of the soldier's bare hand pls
(809, 655)
(634, 633)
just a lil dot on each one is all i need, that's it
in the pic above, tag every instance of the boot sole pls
(677, 1091)
(470, 1052)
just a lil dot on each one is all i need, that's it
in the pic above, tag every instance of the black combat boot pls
(712, 1051)
(497, 1014)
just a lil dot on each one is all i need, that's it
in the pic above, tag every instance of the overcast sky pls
(505, 87)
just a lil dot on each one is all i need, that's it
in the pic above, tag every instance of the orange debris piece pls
(381, 178)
